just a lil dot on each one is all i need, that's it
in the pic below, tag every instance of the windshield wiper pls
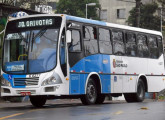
(39, 34)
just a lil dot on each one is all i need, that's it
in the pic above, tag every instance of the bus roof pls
(102, 23)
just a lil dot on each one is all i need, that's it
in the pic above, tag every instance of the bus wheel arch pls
(97, 80)
(144, 79)
(93, 78)
(141, 88)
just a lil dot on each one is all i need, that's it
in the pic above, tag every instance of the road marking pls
(144, 108)
(17, 114)
(118, 112)
(9, 116)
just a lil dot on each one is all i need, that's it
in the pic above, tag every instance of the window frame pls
(118, 16)
(110, 35)
(146, 36)
(162, 51)
(81, 46)
(151, 35)
(126, 34)
(123, 37)
(86, 39)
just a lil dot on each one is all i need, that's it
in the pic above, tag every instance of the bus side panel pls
(93, 63)
(77, 83)
(117, 71)
(106, 77)
(156, 82)
(135, 66)
(106, 83)
(77, 78)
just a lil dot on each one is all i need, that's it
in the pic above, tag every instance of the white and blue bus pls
(61, 56)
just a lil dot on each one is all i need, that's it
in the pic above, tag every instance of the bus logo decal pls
(119, 63)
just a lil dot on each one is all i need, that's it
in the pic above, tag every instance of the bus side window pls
(160, 45)
(90, 40)
(142, 46)
(75, 45)
(153, 45)
(131, 47)
(105, 44)
(118, 43)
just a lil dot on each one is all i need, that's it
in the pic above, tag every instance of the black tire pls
(140, 95)
(136, 97)
(91, 93)
(100, 99)
(38, 101)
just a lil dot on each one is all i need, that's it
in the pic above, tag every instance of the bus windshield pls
(31, 49)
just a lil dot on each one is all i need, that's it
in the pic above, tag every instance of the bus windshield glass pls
(30, 45)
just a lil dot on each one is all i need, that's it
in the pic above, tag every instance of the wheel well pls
(144, 79)
(97, 81)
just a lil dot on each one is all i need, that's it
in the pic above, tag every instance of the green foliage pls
(148, 18)
(161, 1)
(78, 8)
(3, 21)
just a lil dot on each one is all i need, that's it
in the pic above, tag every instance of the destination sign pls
(35, 23)
(32, 23)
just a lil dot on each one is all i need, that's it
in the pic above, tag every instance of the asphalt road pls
(74, 110)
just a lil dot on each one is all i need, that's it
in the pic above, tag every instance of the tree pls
(137, 8)
(78, 8)
(161, 1)
(148, 18)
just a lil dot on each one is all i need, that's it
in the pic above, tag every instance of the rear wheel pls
(91, 93)
(38, 101)
(138, 96)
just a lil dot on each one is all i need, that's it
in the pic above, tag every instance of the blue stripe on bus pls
(95, 63)
(78, 19)
(10, 78)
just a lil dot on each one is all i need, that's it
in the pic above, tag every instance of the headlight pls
(5, 82)
(51, 80)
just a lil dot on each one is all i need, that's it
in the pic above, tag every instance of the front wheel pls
(91, 93)
(100, 99)
(38, 101)
(138, 96)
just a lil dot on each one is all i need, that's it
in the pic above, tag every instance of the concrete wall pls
(112, 5)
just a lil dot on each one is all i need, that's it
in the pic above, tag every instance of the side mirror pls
(68, 36)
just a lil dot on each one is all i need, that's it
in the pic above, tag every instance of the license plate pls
(25, 93)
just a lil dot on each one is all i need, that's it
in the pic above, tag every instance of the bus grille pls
(26, 81)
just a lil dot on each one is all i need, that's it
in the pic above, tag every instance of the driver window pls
(75, 45)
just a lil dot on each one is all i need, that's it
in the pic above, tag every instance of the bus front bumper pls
(58, 89)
